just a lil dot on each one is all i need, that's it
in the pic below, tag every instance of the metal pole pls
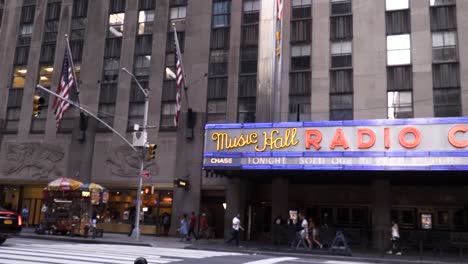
(142, 164)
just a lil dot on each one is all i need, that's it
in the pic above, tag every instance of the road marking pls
(271, 260)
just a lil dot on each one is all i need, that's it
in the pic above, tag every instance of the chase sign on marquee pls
(401, 144)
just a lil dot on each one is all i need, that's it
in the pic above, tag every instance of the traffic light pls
(38, 102)
(152, 151)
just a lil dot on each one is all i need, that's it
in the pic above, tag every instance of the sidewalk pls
(370, 256)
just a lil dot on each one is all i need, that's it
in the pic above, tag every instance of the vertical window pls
(2, 4)
(78, 29)
(15, 97)
(400, 104)
(300, 75)
(218, 74)
(341, 60)
(110, 73)
(447, 94)
(45, 79)
(146, 16)
(247, 88)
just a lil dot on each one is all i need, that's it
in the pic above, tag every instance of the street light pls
(140, 180)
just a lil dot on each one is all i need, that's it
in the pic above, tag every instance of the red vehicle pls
(10, 223)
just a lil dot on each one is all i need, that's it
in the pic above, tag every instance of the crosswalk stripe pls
(155, 259)
(98, 253)
(271, 260)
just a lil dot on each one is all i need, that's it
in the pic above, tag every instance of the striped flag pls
(179, 79)
(279, 6)
(66, 84)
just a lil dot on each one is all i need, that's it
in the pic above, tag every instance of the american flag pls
(179, 79)
(66, 84)
(280, 9)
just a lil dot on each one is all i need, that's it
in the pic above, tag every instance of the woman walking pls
(314, 231)
(183, 229)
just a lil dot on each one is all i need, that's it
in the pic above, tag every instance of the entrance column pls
(236, 197)
(279, 197)
(381, 206)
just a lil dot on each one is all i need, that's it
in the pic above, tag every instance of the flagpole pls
(77, 86)
(179, 55)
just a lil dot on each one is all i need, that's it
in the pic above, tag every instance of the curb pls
(84, 241)
(323, 256)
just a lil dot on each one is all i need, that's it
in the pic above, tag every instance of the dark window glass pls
(15, 98)
(447, 102)
(177, 3)
(399, 78)
(251, 17)
(341, 61)
(246, 111)
(301, 12)
(301, 31)
(113, 47)
(146, 5)
(53, 11)
(249, 35)
(443, 18)
(217, 88)
(47, 53)
(398, 22)
(116, 6)
(76, 48)
(342, 215)
(300, 63)
(220, 38)
(143, 45)
(341, 8)
(341, 107)
(248, 86)
(341, 81)
(299, 108)
(459, 218)
(80, 8)
(170, 42)
(249, 57)
(299, 83)
(221, 14)
(446, 75)
(21, 55)
(27, 14)
(169, 90)
(341, 27)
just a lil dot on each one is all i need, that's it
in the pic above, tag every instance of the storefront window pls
(153, 206)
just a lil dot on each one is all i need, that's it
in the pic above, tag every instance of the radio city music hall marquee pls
(402, 144)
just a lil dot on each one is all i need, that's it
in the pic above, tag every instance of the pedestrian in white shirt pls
(236, 226)
(304, 233)
(395, 238)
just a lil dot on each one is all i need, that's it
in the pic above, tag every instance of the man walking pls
(236, 226)
(192, 225)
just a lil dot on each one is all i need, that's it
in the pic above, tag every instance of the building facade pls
(325, 60)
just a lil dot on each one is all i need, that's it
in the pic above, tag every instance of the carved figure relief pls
(37, 160)
(124, 162)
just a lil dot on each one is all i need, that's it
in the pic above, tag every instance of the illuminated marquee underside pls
(403, 144)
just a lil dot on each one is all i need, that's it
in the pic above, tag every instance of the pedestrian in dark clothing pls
(94, 223)
(192, 225)
(166, 220)
(131, 219)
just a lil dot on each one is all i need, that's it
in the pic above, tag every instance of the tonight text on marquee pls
(366, 139)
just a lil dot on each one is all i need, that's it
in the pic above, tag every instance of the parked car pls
(10, 223)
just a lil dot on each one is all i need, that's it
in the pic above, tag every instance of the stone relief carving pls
(124, 162)
(37, 160)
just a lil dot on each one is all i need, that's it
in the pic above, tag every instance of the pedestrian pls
(25, 216)
(203, 227)
(395, 238)
(183, 228)
(314, 231)
(94, 223)
(192, 225)
(236, 226)
(131, 219)
(304, 233)
(166, 223)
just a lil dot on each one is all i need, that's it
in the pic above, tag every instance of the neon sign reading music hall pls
(420, 144)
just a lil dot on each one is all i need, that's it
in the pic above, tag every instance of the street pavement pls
(247, 249)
